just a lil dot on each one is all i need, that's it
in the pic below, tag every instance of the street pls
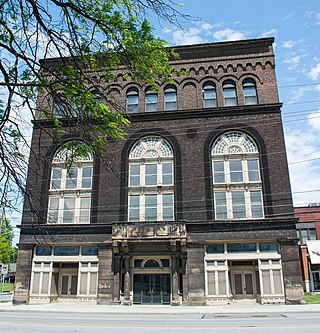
(45, 322)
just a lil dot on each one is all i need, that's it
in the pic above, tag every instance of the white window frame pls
(229, 147)
(62, 193)
(150, 151)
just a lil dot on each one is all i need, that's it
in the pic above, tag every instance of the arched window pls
(70, 188)
(97, 96)
(170, 97)
(151, 186)
(236, 177)
(151, 101)
(132, 100)
(209, 95)
(229, 93)
(249, 92)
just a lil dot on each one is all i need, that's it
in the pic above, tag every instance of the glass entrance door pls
(151, 288)
(69, 285)
(244, 284)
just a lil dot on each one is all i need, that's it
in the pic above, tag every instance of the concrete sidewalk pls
(166, 309)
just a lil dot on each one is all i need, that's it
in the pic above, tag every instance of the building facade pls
(308, 233)
(194, 208)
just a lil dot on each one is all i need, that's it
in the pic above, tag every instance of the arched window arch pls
(151, 100)
(249, 91)
(151, 183)
(170, 97)
(132, 100)
(97, 96)
(237, 183)
(229, 93)
(70, 187)
(209, 95)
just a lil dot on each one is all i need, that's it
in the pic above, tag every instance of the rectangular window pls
(134, 208)
(84, 212)
(36, 283)
(86, 177)
(256, 204)
(236, 173)
(72, 176)
(151, 174)
(68, 210)
(215, 248)
(53, 213)
(220, 205)
(238, 205)
(151, 102)
(56, 178)
(241, 247)
(134, 175)
(89, 250)
(151, 207)
(250, 95)
(66, 250)
(211, 283)
(133, 101)
(209, 98)
(230, 97)
(170, 101)
(266, 282)
(43, 251)
(167, 207)
(219, 173)
(253, 170)
(167, 174)
(268, 247)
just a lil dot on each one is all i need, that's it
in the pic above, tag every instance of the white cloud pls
(269, 33)
(288, 16)
(289, 44)
(314, 120)
(314, 72)
(166, 30)
(302, 146)
(186, 37)
(206, 26)
(318, 87)
(296, 94)
(228, 35)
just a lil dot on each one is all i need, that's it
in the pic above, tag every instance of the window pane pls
(151, 207)
(236, 174)
(209, 98)
(304, 236)
(93, 284)
(72, 175)
(68, 210)
(66, 250)
(89, 250)
(167, 209)
(256, 204)
(215, 248)
(151, 174)
(45, 283)
(312, 234)
(83, 283)
(84, 214)
(250, 96)
(277, 282)
(43, 251)
(134, 175)
(241, 247)
(86, 177)
(151, 102)
(133, 101)
(238, 205)
(268, 247)
(134, 207)
(266, 282)
(220, 205)
(253, 170)
(222, 283)
(36, 282)
(166, 173)
(171, 101)
(211, 283)
(56, 178)
(53, 214)
(219, 174)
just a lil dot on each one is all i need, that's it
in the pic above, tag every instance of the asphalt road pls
(45, 322)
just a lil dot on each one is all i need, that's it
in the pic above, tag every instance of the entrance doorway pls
(243, 284)
(151, 288)
(69, 284)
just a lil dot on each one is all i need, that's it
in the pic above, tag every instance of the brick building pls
(193, 208)
(308, 233)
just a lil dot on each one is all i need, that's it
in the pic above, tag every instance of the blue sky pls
(296, 28)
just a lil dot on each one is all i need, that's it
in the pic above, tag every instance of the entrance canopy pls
(314, 251)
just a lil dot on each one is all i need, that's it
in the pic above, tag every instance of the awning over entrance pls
(314, 251)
